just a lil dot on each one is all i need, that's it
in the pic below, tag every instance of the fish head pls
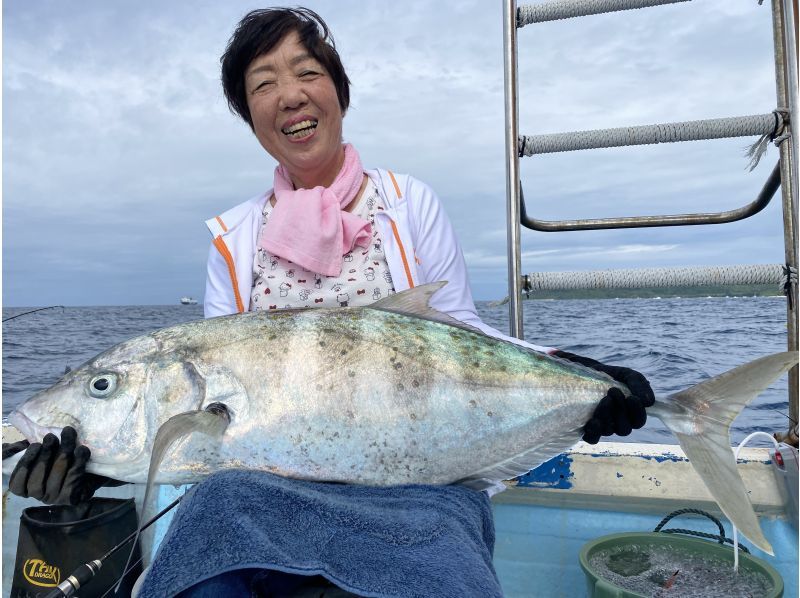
(115, 401)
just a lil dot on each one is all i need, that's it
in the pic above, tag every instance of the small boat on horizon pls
(188, 301)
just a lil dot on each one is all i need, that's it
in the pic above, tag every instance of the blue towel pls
(397, 541)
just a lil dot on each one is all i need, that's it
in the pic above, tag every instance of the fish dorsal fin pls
(415, 302)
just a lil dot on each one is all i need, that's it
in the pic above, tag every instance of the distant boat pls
(188, 301)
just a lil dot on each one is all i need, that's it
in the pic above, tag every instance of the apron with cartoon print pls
(365, 277)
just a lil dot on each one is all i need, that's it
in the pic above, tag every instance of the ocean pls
(674, 342)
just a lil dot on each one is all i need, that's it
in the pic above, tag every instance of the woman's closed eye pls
(263, 85)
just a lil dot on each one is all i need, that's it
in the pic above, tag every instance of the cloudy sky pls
(117, 143)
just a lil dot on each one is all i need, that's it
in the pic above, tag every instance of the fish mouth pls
(31, 430)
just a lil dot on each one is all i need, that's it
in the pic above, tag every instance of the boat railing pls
(774, 126)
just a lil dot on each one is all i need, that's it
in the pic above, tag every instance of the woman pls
(329, 233)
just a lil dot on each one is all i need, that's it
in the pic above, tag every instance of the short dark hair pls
(259, 32)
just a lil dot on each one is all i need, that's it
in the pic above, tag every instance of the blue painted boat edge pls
(640, 477)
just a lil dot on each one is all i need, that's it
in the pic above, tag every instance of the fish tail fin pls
(701, 417)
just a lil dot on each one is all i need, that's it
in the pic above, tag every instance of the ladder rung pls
(718, 128)
(568, 9)
(657, 277)
(754, 207)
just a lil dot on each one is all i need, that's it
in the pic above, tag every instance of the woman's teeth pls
(302, 129)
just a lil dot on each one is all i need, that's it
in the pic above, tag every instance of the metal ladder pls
(779, 123)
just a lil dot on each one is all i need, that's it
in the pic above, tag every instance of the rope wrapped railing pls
(641, 278)
(695, 130)
(568, 9)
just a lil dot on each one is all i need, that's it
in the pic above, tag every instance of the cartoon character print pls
(290, 274)
(337, 287)
(369, 273)
(376, 245)
(285, 288)
(376, 294)
(273, 262)
(343, 298)
(317, 281)
(303, 294)
(387, 276)
(348, 257)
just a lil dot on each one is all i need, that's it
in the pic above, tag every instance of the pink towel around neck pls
(309, 227)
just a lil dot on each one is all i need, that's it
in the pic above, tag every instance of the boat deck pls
(543, 519)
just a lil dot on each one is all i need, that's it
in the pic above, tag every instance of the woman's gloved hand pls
(54, 472)
(616, 413)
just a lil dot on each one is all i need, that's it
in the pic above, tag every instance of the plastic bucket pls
(604, 588)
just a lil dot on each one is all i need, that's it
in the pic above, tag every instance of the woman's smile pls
(300, 130)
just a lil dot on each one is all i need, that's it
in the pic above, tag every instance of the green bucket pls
(603, 588)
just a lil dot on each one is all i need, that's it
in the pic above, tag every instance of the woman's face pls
(296, 114)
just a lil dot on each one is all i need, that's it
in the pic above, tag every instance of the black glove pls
(53, 472)
(616, 413)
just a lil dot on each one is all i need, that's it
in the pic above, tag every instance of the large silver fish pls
(394, 393)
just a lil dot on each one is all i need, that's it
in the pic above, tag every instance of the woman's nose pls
(292, 96)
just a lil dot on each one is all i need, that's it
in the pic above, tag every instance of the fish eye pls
(103, 385)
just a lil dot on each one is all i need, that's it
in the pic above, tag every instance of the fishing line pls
(86, 572)
(786, 415)
(123, 576)
(32, 311)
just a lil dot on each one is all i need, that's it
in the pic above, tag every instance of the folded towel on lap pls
(397, 541)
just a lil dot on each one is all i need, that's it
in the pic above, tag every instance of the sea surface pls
(674, 342)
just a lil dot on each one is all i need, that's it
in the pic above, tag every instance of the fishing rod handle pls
(80, 576)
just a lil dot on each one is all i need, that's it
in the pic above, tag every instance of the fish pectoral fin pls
(219, 385)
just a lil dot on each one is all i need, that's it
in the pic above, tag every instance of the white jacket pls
(418, 241)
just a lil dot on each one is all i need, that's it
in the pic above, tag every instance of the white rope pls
(736, 456)
(658, 277)
(567, 9)
(717, 128)
(779, 134)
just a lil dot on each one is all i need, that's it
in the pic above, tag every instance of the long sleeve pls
(219, 299)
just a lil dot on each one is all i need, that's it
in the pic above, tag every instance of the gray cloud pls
(118, 143)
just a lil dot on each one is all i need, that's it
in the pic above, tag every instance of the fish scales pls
(373, 397)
